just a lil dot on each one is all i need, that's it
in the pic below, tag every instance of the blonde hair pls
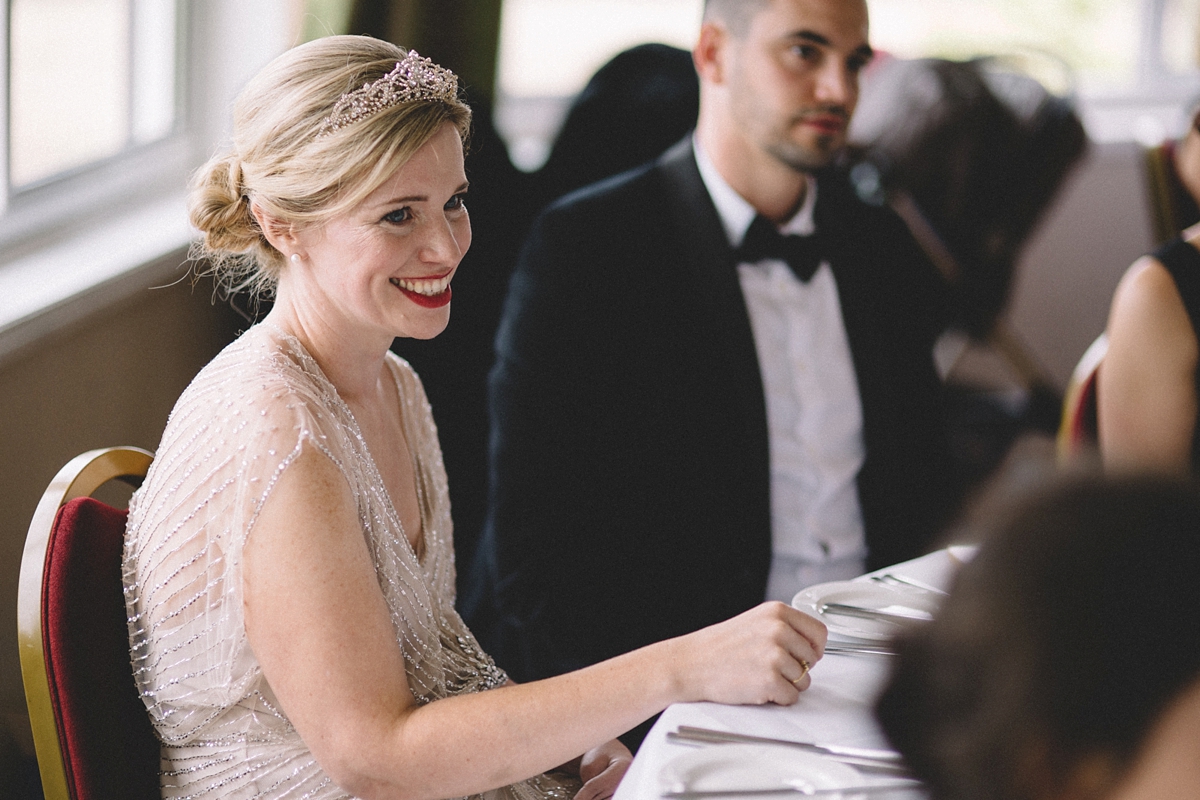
(279, 163)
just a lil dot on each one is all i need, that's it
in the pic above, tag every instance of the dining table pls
(835, 711)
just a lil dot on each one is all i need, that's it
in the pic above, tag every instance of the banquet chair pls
(1172, 208)
(91, 731)
(1078, 432)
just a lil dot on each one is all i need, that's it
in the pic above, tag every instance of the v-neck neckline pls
(420, 550)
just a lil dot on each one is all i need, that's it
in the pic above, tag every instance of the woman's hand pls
(601, 770)
(756, 657)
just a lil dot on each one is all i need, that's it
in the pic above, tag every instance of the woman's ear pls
(281, 235)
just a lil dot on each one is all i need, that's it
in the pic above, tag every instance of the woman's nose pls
(444, 243)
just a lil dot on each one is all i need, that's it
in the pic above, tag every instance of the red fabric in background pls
(1085, 428)
(109, 746)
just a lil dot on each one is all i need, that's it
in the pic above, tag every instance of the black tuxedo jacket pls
(629, 469)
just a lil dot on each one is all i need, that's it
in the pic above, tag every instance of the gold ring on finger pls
(804, 668)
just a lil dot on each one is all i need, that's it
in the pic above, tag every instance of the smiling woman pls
(289, 562)
(385, 265)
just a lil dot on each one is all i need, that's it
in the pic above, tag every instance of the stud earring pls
(295, 258)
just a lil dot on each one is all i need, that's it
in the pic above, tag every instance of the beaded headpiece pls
(413, 78)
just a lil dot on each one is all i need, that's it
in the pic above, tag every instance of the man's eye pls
(398, 216)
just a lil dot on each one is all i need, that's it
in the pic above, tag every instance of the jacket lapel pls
(707, 261)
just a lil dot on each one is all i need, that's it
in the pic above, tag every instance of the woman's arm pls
(1146, 396)
(321, 630)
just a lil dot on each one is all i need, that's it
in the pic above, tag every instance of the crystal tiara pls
(413, 78)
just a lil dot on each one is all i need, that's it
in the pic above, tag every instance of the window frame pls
(75, 247)
(56, 205)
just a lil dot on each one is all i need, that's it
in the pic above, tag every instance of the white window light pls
(91, 108)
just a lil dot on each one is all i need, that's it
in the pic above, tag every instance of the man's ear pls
(709, 54)
(281, 235)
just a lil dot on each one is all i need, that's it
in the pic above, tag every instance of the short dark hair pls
(1021, 676)
(736, 14)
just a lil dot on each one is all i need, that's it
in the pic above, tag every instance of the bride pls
(289, 569)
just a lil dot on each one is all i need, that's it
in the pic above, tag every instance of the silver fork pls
(888, 578)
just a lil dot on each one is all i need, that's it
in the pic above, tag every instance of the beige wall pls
(110, 379)
(1099, 224)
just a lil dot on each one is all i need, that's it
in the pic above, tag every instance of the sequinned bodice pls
(239, 425)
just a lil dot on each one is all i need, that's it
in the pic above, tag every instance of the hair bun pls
(218, 208)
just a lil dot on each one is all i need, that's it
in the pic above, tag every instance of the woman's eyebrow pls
(416, 198)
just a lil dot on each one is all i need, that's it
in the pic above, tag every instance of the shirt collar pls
(736, 214)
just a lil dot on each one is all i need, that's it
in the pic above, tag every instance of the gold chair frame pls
(81, 477)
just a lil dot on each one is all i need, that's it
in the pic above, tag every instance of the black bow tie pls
(763, 240)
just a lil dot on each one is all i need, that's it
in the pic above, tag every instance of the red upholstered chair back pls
(1078, 432)
(91, 712)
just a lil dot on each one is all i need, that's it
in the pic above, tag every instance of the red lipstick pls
(427, 301)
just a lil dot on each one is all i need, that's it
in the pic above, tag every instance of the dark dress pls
(1182, 260)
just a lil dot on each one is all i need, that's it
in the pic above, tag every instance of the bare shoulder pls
(1147, 303)
(1192, 236)
(1150, 335)
(1146, 389)
(310, 494)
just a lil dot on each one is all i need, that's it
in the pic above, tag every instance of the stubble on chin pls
(806, 156)
(807, 159)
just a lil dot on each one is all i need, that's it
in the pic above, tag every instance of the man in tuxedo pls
(690, 411)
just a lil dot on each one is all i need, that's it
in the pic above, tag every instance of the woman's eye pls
(398, 216)
(456, 202)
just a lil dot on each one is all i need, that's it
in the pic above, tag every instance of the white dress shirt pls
(814, 414)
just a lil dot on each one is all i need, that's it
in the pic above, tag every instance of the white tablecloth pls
(836, 709)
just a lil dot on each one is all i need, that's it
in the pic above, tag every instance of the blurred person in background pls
(1065, 664)
(1146, 390)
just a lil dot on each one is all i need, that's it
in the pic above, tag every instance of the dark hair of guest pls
(1073, 628)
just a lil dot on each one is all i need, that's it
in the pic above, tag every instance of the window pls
(114, 91)
(549, 49)
(1181, 36)
(1133, 63)
(105, 108)
(92, 106)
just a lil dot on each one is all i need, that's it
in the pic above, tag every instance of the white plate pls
(961, 553)
(864, 594)
(754, 766)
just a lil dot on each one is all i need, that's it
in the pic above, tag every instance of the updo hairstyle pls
(278, 160)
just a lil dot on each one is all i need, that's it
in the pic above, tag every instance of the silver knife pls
(860, 649)
(804, 791)
(881, 767)
(895, 617)
(711, 735)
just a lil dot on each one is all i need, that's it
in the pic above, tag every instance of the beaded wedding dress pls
(236, 428)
